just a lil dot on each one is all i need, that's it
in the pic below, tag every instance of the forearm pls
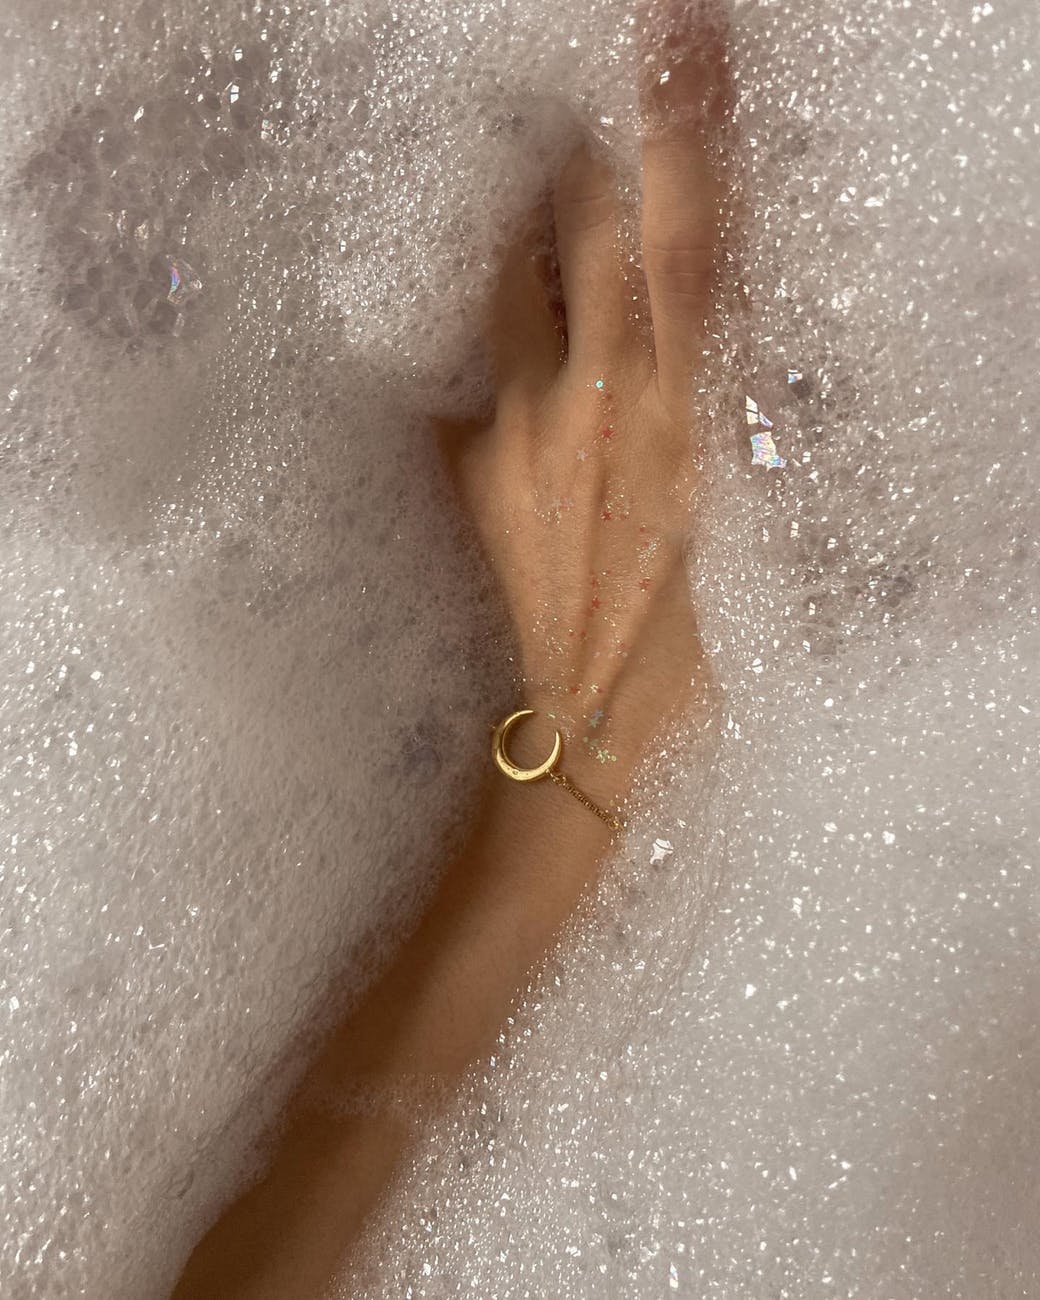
(438, 1007)
(500, 903)
(579, 488)
(531, 854)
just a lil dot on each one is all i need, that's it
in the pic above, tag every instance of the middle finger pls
(588, 216)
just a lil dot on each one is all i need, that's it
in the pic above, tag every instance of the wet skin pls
(579, 488)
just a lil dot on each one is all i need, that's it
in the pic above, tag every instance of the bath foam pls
(243, 257)
(815, 958)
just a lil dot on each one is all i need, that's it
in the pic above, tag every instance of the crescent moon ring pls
(505, 764)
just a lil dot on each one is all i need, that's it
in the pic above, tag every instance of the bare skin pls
(580, 495)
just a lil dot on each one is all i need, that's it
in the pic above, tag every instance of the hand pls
(580, 484)
(603, 621)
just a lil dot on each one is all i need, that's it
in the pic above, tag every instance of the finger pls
(587, 213)
(526, 344)
(461, 444)
(685, 98)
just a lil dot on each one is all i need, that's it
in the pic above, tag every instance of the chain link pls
(545, 769)
(615, 823)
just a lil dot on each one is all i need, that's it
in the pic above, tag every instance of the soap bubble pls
(246, 253)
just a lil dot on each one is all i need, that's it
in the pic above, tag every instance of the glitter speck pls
(184, 283)
(755, 415)
(660, 849)
(764, 452)
(763, 448)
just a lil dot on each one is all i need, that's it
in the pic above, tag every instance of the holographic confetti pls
(184, 283)
(755, 415)
(764, 452)
(763, 448)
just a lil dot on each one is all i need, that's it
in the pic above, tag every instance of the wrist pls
(601, 748)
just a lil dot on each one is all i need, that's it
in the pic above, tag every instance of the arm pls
(579, 489)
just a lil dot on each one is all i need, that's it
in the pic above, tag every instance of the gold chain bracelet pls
(547, 768)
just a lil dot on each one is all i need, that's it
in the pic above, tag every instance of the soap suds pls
(244, 254)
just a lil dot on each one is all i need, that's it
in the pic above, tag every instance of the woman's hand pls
(580, 494)
(580, 485)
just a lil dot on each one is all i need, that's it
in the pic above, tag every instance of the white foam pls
(254, 640)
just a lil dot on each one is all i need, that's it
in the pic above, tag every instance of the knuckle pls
(586, 210)
(669, 411)
(682, 269)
